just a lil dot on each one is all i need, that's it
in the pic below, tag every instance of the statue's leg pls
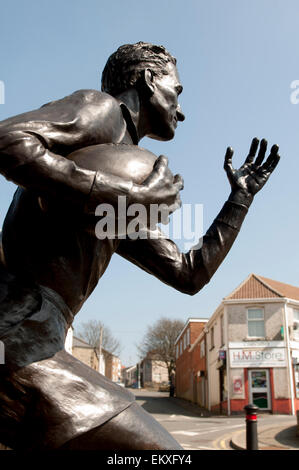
(133, 429)
(61, 402)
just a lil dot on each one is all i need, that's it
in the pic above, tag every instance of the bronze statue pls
(50, 262)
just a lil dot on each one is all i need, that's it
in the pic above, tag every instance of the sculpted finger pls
(274, 163)
(228, 159)
(161, 163)
(174, 207)
(178, 180)
(159, 169)
(272, 158)
(262, 152)
(252, 151)
(274, 149)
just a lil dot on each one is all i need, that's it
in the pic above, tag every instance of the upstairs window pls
(222, 330)
(296, 323)
(202, 349)
(256, 322)
(212, 338)
(188, 337)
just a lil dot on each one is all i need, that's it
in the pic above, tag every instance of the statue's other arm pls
(189, 272)
(34, 146)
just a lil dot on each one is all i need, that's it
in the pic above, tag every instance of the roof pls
(188, 322)
(259, 287)
(80, 343)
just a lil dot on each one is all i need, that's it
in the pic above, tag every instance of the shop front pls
(260, 388)
(259, 375)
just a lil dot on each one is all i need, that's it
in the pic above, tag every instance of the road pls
(192, 427)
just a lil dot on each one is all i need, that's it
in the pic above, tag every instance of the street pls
(192, 427)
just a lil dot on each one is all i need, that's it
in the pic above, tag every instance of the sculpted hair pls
(124, 67)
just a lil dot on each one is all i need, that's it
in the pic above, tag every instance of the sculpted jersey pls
(47, 243)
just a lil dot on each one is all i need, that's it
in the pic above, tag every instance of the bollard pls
(251, 427)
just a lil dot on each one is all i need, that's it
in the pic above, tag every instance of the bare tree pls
(90, 332)
(159, 341)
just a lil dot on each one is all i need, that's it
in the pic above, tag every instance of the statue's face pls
(164, 110)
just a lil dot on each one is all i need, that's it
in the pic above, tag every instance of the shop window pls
(296, 323)
(256, 322)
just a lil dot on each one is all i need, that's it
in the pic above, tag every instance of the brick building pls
(253, 348)
(191, 379)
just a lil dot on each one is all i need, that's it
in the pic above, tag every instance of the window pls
(222, 330)
(296, 323)
(177, 351)
(202, 349)
(212, 338)
(181, 347)
(188, 337)
(256, 323)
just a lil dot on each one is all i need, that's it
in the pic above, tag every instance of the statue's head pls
(151, 70)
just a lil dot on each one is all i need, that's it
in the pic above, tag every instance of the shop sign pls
(222, 355)
(268, 357)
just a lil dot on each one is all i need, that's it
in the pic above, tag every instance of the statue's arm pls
(189, 272)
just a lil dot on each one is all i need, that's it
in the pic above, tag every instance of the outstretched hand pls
(253, 174)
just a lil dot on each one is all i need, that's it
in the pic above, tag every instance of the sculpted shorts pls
(46, 395)
(49, 402)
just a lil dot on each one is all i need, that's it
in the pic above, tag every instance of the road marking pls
(223, 444)
(205, 448)
(185, 433)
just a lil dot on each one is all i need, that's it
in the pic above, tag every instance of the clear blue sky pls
(236, 60)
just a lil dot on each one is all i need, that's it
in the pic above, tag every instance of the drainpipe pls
(206, 330)
(227, 361)
(287, 338)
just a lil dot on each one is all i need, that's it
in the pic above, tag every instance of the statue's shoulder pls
(86, 101)
(97, 99)
(99, 114)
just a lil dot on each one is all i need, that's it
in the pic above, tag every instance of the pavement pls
(273, 436)
(270, 437)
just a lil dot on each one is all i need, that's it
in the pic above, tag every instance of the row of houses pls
(102, 361)
(150, 372)
(246, 352)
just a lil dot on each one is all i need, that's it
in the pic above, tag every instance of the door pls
(259, 388)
